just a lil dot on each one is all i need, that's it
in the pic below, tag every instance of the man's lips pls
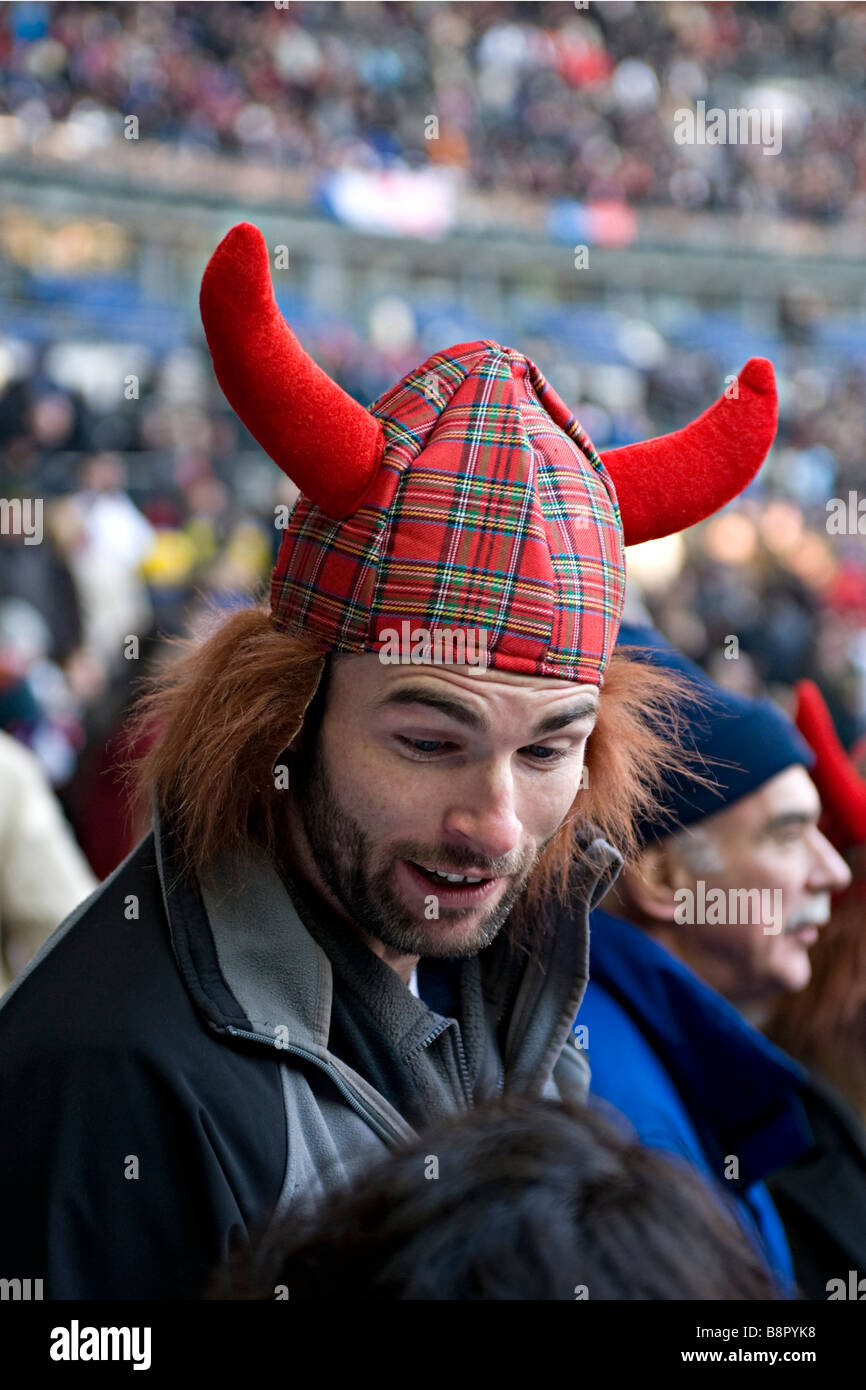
(450, 894)
(437, 871)
(806, 932)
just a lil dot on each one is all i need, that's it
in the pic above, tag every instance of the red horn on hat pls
(327, 443)
(666, 484)
(840, 786)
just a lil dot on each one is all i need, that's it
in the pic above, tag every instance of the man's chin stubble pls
(340, 849)
(441, 937)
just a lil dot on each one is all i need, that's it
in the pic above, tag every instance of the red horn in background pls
(327, 443)
(841, 788)
(667, 484)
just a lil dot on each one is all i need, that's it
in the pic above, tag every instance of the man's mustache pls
(815, 911)
(456, 861)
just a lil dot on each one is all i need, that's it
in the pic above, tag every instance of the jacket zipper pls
(431, 1037)
(458, 1048)
(381, 1127)
(464, 1070)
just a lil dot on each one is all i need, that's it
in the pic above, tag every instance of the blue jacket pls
(691, 1075)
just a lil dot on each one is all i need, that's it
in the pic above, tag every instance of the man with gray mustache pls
(696, 940)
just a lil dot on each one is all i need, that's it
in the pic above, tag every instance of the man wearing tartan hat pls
(343, 821)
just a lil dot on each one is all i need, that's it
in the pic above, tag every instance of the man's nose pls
(484, 815)
(830, 873)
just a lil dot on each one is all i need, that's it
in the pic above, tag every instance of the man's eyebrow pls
(790, 818)
(455, 709)
(581, 710)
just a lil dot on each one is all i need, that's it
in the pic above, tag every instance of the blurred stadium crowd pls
(157, 508)
(334, 84)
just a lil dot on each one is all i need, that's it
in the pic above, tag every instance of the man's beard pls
(343, 856)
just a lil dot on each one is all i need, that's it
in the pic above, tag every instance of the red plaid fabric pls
(491, 512)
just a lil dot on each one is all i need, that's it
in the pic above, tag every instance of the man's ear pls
(286, 754)
(651, 882)
(309, 729)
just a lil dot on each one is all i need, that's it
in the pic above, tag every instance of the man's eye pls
(789, 837)
(423, 745)
(429, 747)
(544, 754)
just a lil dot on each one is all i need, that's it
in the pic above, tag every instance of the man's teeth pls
(452, 878)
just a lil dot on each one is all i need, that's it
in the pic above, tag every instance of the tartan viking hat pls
(466, 498)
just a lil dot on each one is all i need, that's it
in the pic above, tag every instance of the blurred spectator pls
(43, 874)
(40, 575)
(822, 1198)
(684, 961)
(106, 557)
(36, 703)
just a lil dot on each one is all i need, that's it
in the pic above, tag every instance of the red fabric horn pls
(841, 788)
(317, 434)
(672, 482)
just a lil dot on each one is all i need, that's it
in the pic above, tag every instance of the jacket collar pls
(740, 1089)
(251, 966)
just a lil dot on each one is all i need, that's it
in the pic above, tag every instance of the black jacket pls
(171, 1072)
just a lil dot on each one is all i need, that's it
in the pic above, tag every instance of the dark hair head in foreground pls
(518, 1200)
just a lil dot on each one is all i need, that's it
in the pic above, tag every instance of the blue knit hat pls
(744, 741)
